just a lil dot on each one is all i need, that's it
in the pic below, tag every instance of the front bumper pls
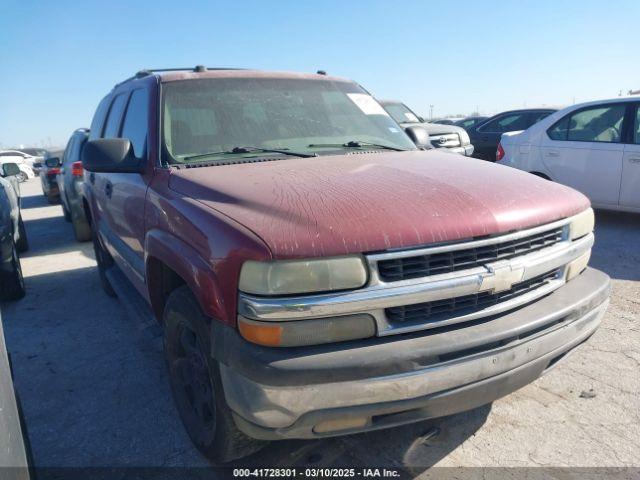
(288, 393)
(466, 150)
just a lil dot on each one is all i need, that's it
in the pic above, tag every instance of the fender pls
(188, 264)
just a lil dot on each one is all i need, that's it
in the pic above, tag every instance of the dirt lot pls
(95, 392)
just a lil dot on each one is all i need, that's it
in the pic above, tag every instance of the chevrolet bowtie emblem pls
(501, 278)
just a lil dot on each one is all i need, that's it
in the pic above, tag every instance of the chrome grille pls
(445, 140)
(438, 310)
(396, 269)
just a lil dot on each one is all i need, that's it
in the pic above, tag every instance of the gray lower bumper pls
(431, 375)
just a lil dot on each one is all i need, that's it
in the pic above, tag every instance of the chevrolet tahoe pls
(314, 272)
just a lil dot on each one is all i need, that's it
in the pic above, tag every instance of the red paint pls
(362, 203)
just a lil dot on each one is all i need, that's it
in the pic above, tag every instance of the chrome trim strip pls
(496, 276)
(464, 245)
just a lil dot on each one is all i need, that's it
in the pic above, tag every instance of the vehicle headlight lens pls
(582, 224)
(282, 277)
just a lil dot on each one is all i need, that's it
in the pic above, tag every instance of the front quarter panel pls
(205, 248)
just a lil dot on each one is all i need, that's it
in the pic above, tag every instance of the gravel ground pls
(95, 393)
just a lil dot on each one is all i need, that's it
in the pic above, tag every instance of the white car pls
(26, 172)
(593, 147)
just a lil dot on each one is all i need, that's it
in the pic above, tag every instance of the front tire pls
(196, 384)
(12, 283)
(104, 261)
(22, 244)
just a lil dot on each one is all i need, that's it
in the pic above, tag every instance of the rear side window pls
(536, 117)
(507, 123)
(98, 118)
(595, 124)
(115, 114)
(134, 127)
(636, 127)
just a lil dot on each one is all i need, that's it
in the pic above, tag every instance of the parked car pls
(37, 155)
(593, 147)
(453, 138)
(485, 137)
(48, 175)
(446, 121)
(314, 273)
(23, 161)
(13, 236)
(470, 122)
(14, 443)
(69, 181)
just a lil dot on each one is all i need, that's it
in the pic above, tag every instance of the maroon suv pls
(317, 274)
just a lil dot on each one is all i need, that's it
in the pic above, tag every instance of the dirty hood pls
(336, 205)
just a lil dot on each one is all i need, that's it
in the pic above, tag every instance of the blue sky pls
(60, 58)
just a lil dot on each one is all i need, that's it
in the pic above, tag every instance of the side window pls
(67, 150)
(536, 117)
(115, 114)
(507, 123)
(135, 122)
(636, 128)
(98, 118)
(560, 129)
(596, 124)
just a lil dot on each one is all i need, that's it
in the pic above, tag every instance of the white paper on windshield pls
(411, 117)
(367, 104)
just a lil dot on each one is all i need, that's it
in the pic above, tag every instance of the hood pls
(336, 205)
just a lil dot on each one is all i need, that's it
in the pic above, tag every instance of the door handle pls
(551, 154)
(108, 189)
(634, 159)
(484, 138)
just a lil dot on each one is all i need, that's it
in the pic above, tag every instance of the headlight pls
(582, 224)
(282, 277)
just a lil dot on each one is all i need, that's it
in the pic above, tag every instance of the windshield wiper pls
(251, 150)
(357, 144)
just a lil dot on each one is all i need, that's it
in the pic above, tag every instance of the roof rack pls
(150, 71)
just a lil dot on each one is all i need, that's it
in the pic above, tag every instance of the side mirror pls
(419, 136)
(111, 155)
(52, 162)
(422, 120)
(9, 169)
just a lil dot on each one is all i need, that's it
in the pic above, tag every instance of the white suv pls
(593, 147)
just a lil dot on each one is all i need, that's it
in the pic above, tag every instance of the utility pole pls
(430, 112)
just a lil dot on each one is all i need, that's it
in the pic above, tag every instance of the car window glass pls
(67, 151)
(598, 124)
(636, 130)
(536, 117)
(115, 113)
(98, 119)
(135, 122)
(560, 129)
(507, 123)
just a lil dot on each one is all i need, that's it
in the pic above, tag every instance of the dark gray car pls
(13, 237)
(69, 182)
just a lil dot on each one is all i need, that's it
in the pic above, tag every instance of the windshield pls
(401, 113)
(212, 119)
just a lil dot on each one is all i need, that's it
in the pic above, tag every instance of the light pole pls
(430, 112)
